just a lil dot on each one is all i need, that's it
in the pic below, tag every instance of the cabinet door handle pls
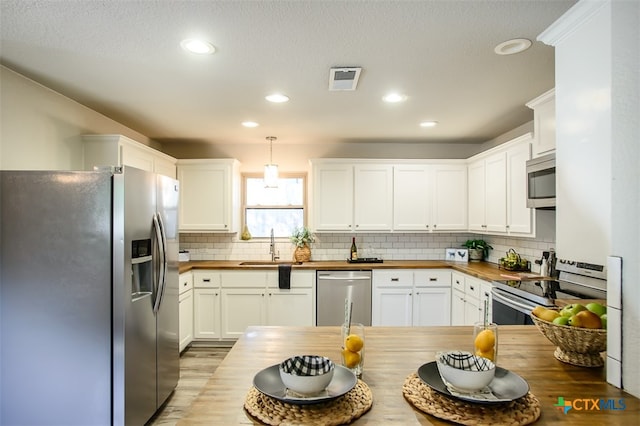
(206, 280)
(471, 287)
(435, 226)
(433, 279)
(395, 279)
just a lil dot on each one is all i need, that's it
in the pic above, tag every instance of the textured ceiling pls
(123, 59)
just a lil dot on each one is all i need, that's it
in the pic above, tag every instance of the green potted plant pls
(302, 238)
(478, 249)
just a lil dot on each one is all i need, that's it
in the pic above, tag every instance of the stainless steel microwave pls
(541, 182)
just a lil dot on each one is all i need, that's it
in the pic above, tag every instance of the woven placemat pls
(340, 411)
(522, 411)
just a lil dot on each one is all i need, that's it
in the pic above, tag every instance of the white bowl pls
(307, 374)
(464, 370)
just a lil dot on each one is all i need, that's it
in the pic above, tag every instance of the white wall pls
(40, 129)
(625, 176)
(597, 106)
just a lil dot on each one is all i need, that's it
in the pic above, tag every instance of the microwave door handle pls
(518, 306)
(159, 285)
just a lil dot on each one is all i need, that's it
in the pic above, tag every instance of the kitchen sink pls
(268, 262)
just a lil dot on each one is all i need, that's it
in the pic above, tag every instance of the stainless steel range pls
(513, 300)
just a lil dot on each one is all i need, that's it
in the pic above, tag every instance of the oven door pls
(509, 309)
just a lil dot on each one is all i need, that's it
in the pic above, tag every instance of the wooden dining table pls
(394, 353)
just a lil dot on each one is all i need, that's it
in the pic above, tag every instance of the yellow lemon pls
(549, 315)
(353, 342)
(490, 354)
(351, 359)
(538, 310)
(485, 341)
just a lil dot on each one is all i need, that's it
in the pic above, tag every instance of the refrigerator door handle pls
(161, 238)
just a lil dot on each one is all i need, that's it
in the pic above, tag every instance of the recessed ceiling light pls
(250, 124)
(394, 98)
(428, 123)
(277, 98)
(199, 47)
(511, 47)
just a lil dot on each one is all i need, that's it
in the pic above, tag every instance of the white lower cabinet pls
(206, 310)
(206, 305)
(242, 307)
(467, 302)
(254, 298)
(432, 306)
(457, 308)
(411, 297)
(392, 306)
(185, 309)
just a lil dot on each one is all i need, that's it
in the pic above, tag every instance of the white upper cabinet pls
(209, 195)
(119, 150)
(449, 211)
(412, 198)
(495, 174)
(352, 196)
(477, 202)
(520, 218)
(373, 197)
(333, 196)
(487, 194)
(544, 123)
(497, 190)
(429, 197)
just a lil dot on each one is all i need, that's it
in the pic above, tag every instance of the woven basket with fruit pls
(513, 262)
(578, 331)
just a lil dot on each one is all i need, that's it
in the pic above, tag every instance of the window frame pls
(285, 175)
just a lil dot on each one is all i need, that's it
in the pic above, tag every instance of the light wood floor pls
(196, 367)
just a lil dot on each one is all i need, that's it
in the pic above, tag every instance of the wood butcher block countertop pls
(483, 270)
(392, 354)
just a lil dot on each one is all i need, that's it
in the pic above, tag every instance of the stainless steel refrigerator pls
(88, 296)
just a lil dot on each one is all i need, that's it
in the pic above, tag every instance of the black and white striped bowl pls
(465, 371)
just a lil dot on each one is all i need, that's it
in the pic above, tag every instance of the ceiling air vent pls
(344, 78)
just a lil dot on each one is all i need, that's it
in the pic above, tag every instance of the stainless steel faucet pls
(272, 248)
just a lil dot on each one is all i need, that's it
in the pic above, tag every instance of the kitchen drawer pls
(393, 278)
(457, 281)
(472, 287)
(432, 278)
(206, 279)
(185, 282)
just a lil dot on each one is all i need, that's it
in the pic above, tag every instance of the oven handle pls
(518, 305)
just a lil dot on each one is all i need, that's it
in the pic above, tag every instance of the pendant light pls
(271, 170)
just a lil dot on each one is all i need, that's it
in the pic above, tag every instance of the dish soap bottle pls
(354, 249)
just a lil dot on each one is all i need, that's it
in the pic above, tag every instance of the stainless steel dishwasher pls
(331, 292)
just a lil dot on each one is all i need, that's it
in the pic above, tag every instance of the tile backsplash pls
(335, 246)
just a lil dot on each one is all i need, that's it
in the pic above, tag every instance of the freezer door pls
(139, 319)
(55, 298)
(168, 352)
